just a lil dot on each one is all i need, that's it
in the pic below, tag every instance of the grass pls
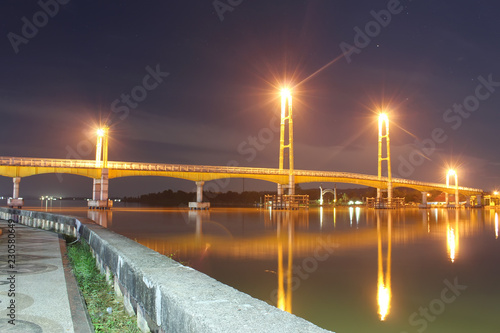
(98, 293)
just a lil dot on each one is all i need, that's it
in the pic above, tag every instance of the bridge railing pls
(43, 162)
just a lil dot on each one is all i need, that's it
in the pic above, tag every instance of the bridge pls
(101, 170)
(18, 167)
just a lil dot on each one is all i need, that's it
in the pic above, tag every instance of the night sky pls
(197, 82)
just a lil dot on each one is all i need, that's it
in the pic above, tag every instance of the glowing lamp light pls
(383, 117)
(285, 92)
(451, 172)
(100, 132)
(495, 193)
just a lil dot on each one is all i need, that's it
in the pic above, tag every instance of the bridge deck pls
(24, 167)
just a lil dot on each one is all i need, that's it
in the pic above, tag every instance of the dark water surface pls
(344, 269)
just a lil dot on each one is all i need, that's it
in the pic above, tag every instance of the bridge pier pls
(424, 200)
(199, 204)
(96, 189)
(280, 190)
(100, 192)
(467, 202)
(15, 201)
(291, 185)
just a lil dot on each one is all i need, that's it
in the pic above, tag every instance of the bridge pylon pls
(452, 173)
(100, 185)
(286, 126)
(15, 201)
(383, 133)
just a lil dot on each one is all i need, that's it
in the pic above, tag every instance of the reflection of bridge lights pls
(384, 293)
(496, 225)
(451, 243)
(321, 217)
(384, 301)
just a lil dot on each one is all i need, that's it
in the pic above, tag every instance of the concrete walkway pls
(39, 282)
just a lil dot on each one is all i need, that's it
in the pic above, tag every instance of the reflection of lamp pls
(452, 237)
(496, 225)
(384, 293)
(285, 298)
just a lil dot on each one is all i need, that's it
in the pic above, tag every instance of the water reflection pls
(284, 234)
(496, 225)
(452, 235)
(384, 292)
(101, 217)
(334, 217)
(241, 247)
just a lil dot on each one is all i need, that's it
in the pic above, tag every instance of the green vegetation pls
(106, 312)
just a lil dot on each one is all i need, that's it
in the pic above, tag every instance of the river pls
(344, 269)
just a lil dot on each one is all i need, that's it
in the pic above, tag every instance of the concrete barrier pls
(165, 295)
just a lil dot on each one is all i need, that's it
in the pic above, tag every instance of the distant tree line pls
(169, 198)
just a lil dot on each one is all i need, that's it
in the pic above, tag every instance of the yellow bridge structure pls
(19, 167)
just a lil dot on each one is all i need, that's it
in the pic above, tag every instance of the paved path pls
(46, 296)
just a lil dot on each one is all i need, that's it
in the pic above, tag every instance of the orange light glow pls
(383, 117)
(101, 132)
(451, 243)
(285, 92)
(384, 290)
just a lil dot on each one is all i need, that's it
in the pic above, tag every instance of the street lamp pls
(384, 119)
(101, 152)
(286, 117)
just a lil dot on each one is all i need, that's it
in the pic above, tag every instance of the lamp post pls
(449, 174)
(101, 152)
(286, 117)
(384, 119)
(100, 186)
